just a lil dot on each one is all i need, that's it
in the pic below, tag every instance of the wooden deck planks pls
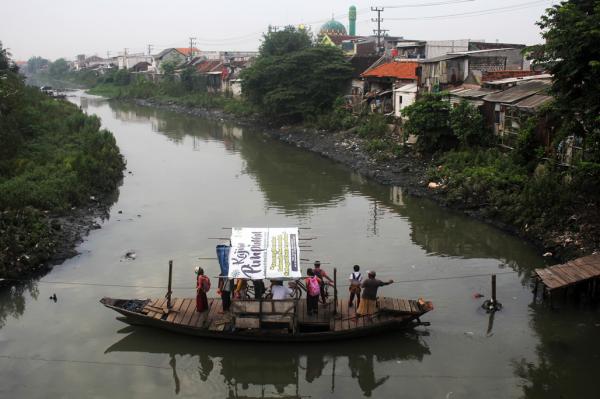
(185, 306)
(572, 272)
(174, 311)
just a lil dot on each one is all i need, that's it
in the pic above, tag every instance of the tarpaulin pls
(264, 253)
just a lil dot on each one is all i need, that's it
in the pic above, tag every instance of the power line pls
(378, 31)
(83, 283)
(475, 13)
(440, 3)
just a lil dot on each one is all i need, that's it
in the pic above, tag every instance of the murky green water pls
(189, 178)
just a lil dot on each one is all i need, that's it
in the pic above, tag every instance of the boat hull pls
(369, 326)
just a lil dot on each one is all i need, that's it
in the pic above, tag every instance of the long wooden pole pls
(169, 286)
(335, 293)
(494, 289)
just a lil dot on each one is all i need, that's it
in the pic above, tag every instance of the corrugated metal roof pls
(474, 93)
(519, 79)
(533, 102)
(518, 92)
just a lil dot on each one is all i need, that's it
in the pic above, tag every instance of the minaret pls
(352, 17)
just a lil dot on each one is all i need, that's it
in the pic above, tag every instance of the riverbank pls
(406, 169)
(59, 174)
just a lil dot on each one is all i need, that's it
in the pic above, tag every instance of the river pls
(186, 179)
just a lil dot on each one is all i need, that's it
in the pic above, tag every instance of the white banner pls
(264, 253)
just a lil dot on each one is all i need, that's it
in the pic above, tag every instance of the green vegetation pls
(294, 79)
(52, 157)
(571, 31)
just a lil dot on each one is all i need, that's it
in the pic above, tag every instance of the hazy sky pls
(64, 28)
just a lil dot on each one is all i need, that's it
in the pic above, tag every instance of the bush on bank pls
(52, 157)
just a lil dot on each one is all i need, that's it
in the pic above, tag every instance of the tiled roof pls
(208, 66)
(186, 50)
(398, 70)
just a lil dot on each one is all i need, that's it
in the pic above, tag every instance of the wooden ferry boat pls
(271, 254)
(270, 320)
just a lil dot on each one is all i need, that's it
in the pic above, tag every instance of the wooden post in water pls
(169, 286)
(335, 294)
(494, 289)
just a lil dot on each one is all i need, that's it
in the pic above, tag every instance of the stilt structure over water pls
(582, 273)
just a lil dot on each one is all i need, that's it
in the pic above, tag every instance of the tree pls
(285, 41)
(571, 52)
(59, 68)
(468, 126)
(428, 118)
(34, 64)
(292, 86)
(5, 62)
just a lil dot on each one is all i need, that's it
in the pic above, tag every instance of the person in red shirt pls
(202, 287)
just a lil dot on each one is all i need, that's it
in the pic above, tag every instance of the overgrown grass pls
(52, 157)
(548, 199)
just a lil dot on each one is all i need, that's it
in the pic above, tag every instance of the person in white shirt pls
(355, 282)
(279, 291)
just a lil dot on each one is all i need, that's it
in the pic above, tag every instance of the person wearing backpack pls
(313, 290)
(202, 287)
(355, 282)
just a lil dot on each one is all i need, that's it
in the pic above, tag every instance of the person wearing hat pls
(368, 303)
(320, 273)
(202, 287)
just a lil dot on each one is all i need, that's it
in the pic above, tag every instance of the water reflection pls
(12, 298)
(568, 353)
(298, 183)
(247, 369)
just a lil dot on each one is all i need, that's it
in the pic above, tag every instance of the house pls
(404, 96)
(359, 65)
(175, 55)
(381, 80)
(142, 66)
(213, 71)
(127, 61)
(456, 68)
(351, 45)
(505, 111)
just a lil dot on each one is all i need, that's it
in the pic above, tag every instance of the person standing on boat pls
(313, 284)
(322, 275)
(202, 287)
(368, 303)
(225, 288)
(355, 282)
(279, 291)
(259, 289)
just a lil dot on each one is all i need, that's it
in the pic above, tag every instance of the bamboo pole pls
(169, 292)
(335, 293)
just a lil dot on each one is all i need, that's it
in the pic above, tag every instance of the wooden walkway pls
(183, 312)
(570, 273)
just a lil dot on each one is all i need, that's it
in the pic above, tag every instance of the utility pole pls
(378, 31)
(192, 43)
(150, 47)
(125, 58)
(107, 54)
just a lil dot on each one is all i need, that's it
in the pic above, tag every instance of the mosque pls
(336, 28)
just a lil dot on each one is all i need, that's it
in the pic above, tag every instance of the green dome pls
(333, 27)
